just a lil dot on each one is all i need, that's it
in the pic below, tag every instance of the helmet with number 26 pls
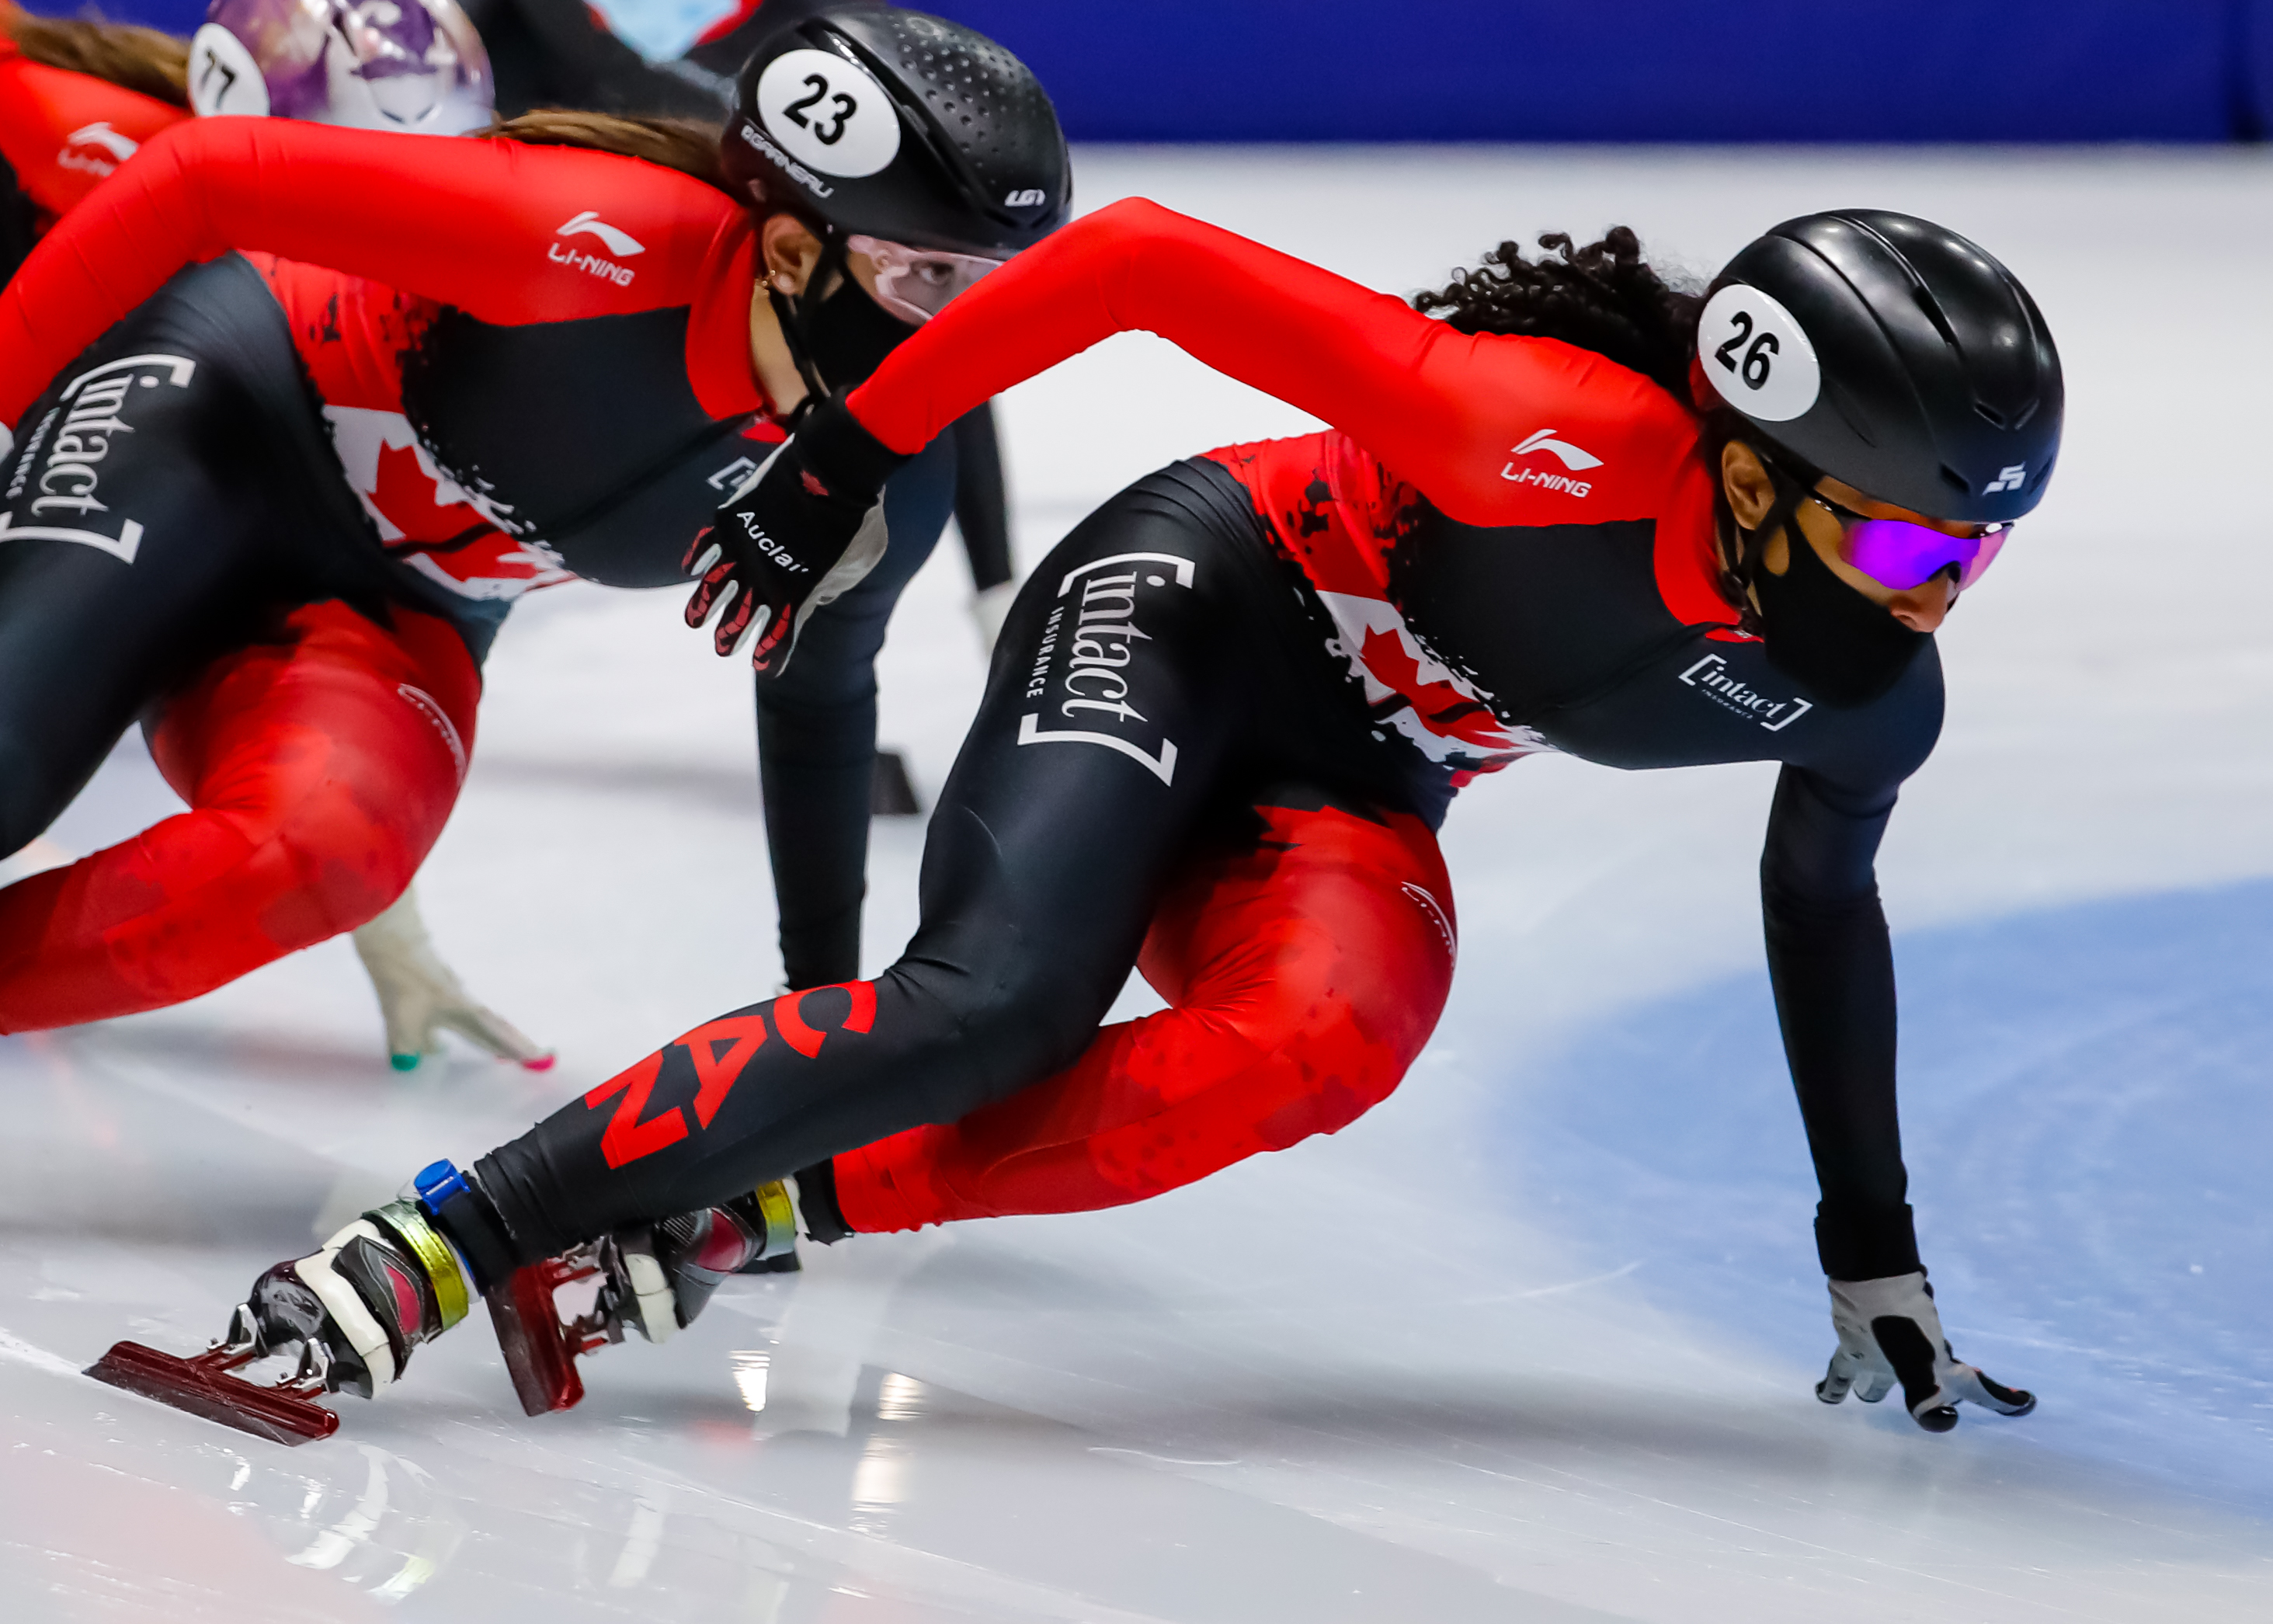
(1893, 355)
(930, 141)
(415, 65)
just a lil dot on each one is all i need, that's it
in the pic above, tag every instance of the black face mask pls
(848, 334)
(1823, 633)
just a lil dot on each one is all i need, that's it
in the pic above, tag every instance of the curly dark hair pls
(1604, 298)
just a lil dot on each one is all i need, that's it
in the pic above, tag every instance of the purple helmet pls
(372, 65)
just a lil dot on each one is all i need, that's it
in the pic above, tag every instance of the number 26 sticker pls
(828, 114)
(1757, 355)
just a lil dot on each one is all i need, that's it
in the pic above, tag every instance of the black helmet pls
(1894, 355)
(868, 119)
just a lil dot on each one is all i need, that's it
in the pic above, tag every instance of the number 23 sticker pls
(828, 114)
(1757, 355)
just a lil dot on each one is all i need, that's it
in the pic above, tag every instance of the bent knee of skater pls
(990, 1035)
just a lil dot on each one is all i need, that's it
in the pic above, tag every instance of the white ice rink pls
(1532, 1341)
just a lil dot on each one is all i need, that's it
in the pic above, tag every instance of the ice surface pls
(1535, 1339)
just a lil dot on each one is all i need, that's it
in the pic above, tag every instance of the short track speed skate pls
(205, 1384)
(351, 1314)
(651, 1280)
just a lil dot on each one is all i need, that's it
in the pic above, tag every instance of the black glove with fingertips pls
(799, 533)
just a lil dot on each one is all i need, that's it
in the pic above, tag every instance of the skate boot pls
(653, 1279)
(354, 1311)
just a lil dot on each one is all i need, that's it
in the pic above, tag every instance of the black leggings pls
(817, 720)
(1157, 673)
(817, 737)
(173, 488)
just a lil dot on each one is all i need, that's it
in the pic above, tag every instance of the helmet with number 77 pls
(413, 65)
(1893, 355)
(867, 120)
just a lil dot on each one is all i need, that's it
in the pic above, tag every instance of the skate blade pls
(535, 1344)
(203, 1387)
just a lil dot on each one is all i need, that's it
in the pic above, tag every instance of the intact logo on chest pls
(1711, 677)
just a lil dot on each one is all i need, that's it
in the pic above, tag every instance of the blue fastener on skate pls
(437, 1182)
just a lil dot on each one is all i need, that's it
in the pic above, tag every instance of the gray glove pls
(1890, 1331)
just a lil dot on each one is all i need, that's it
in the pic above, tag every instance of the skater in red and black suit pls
(1562, 507)
(530, 363)
(279, 745)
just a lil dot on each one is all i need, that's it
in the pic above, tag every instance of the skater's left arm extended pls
(1832, 969)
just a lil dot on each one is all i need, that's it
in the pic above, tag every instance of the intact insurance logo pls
(1710, 677)
(621, 243)
(1543, 443)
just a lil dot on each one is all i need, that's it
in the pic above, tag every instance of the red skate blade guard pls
(530, 1335)
(195, 1386)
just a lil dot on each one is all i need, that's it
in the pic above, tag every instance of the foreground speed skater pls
(529, 362)
(1562, 506)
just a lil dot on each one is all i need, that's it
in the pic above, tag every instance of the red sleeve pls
(63, 132)
(1446, 410)
(510, 234)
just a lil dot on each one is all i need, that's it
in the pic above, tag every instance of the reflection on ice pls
(750, 1376)
(393, 1538)
(643, 1539)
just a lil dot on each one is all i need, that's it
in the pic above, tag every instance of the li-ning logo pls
(104, 140)
(1564, 452)
(1711, 676)
(2008, 479)
(93, 405)
(1099, 644)
(621, 243)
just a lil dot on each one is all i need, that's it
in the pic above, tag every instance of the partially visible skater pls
(1563, 506)
(78, 98)
(369, 391)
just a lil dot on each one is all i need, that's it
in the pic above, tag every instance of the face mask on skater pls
(1823, 632)
(848, 334)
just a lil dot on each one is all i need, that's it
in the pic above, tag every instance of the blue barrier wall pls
(1643, 70)
(1622, 70)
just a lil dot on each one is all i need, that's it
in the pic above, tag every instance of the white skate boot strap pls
(346, 1306)
(658, 1305)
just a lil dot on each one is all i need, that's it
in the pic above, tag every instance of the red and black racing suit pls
(1223, 719)
(556, 383)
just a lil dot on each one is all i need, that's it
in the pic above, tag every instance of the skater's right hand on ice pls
(419, 996)
(1890, 1331)
(797, 534)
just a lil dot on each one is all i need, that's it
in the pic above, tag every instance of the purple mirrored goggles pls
(1895, 553)
(1900, 555)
